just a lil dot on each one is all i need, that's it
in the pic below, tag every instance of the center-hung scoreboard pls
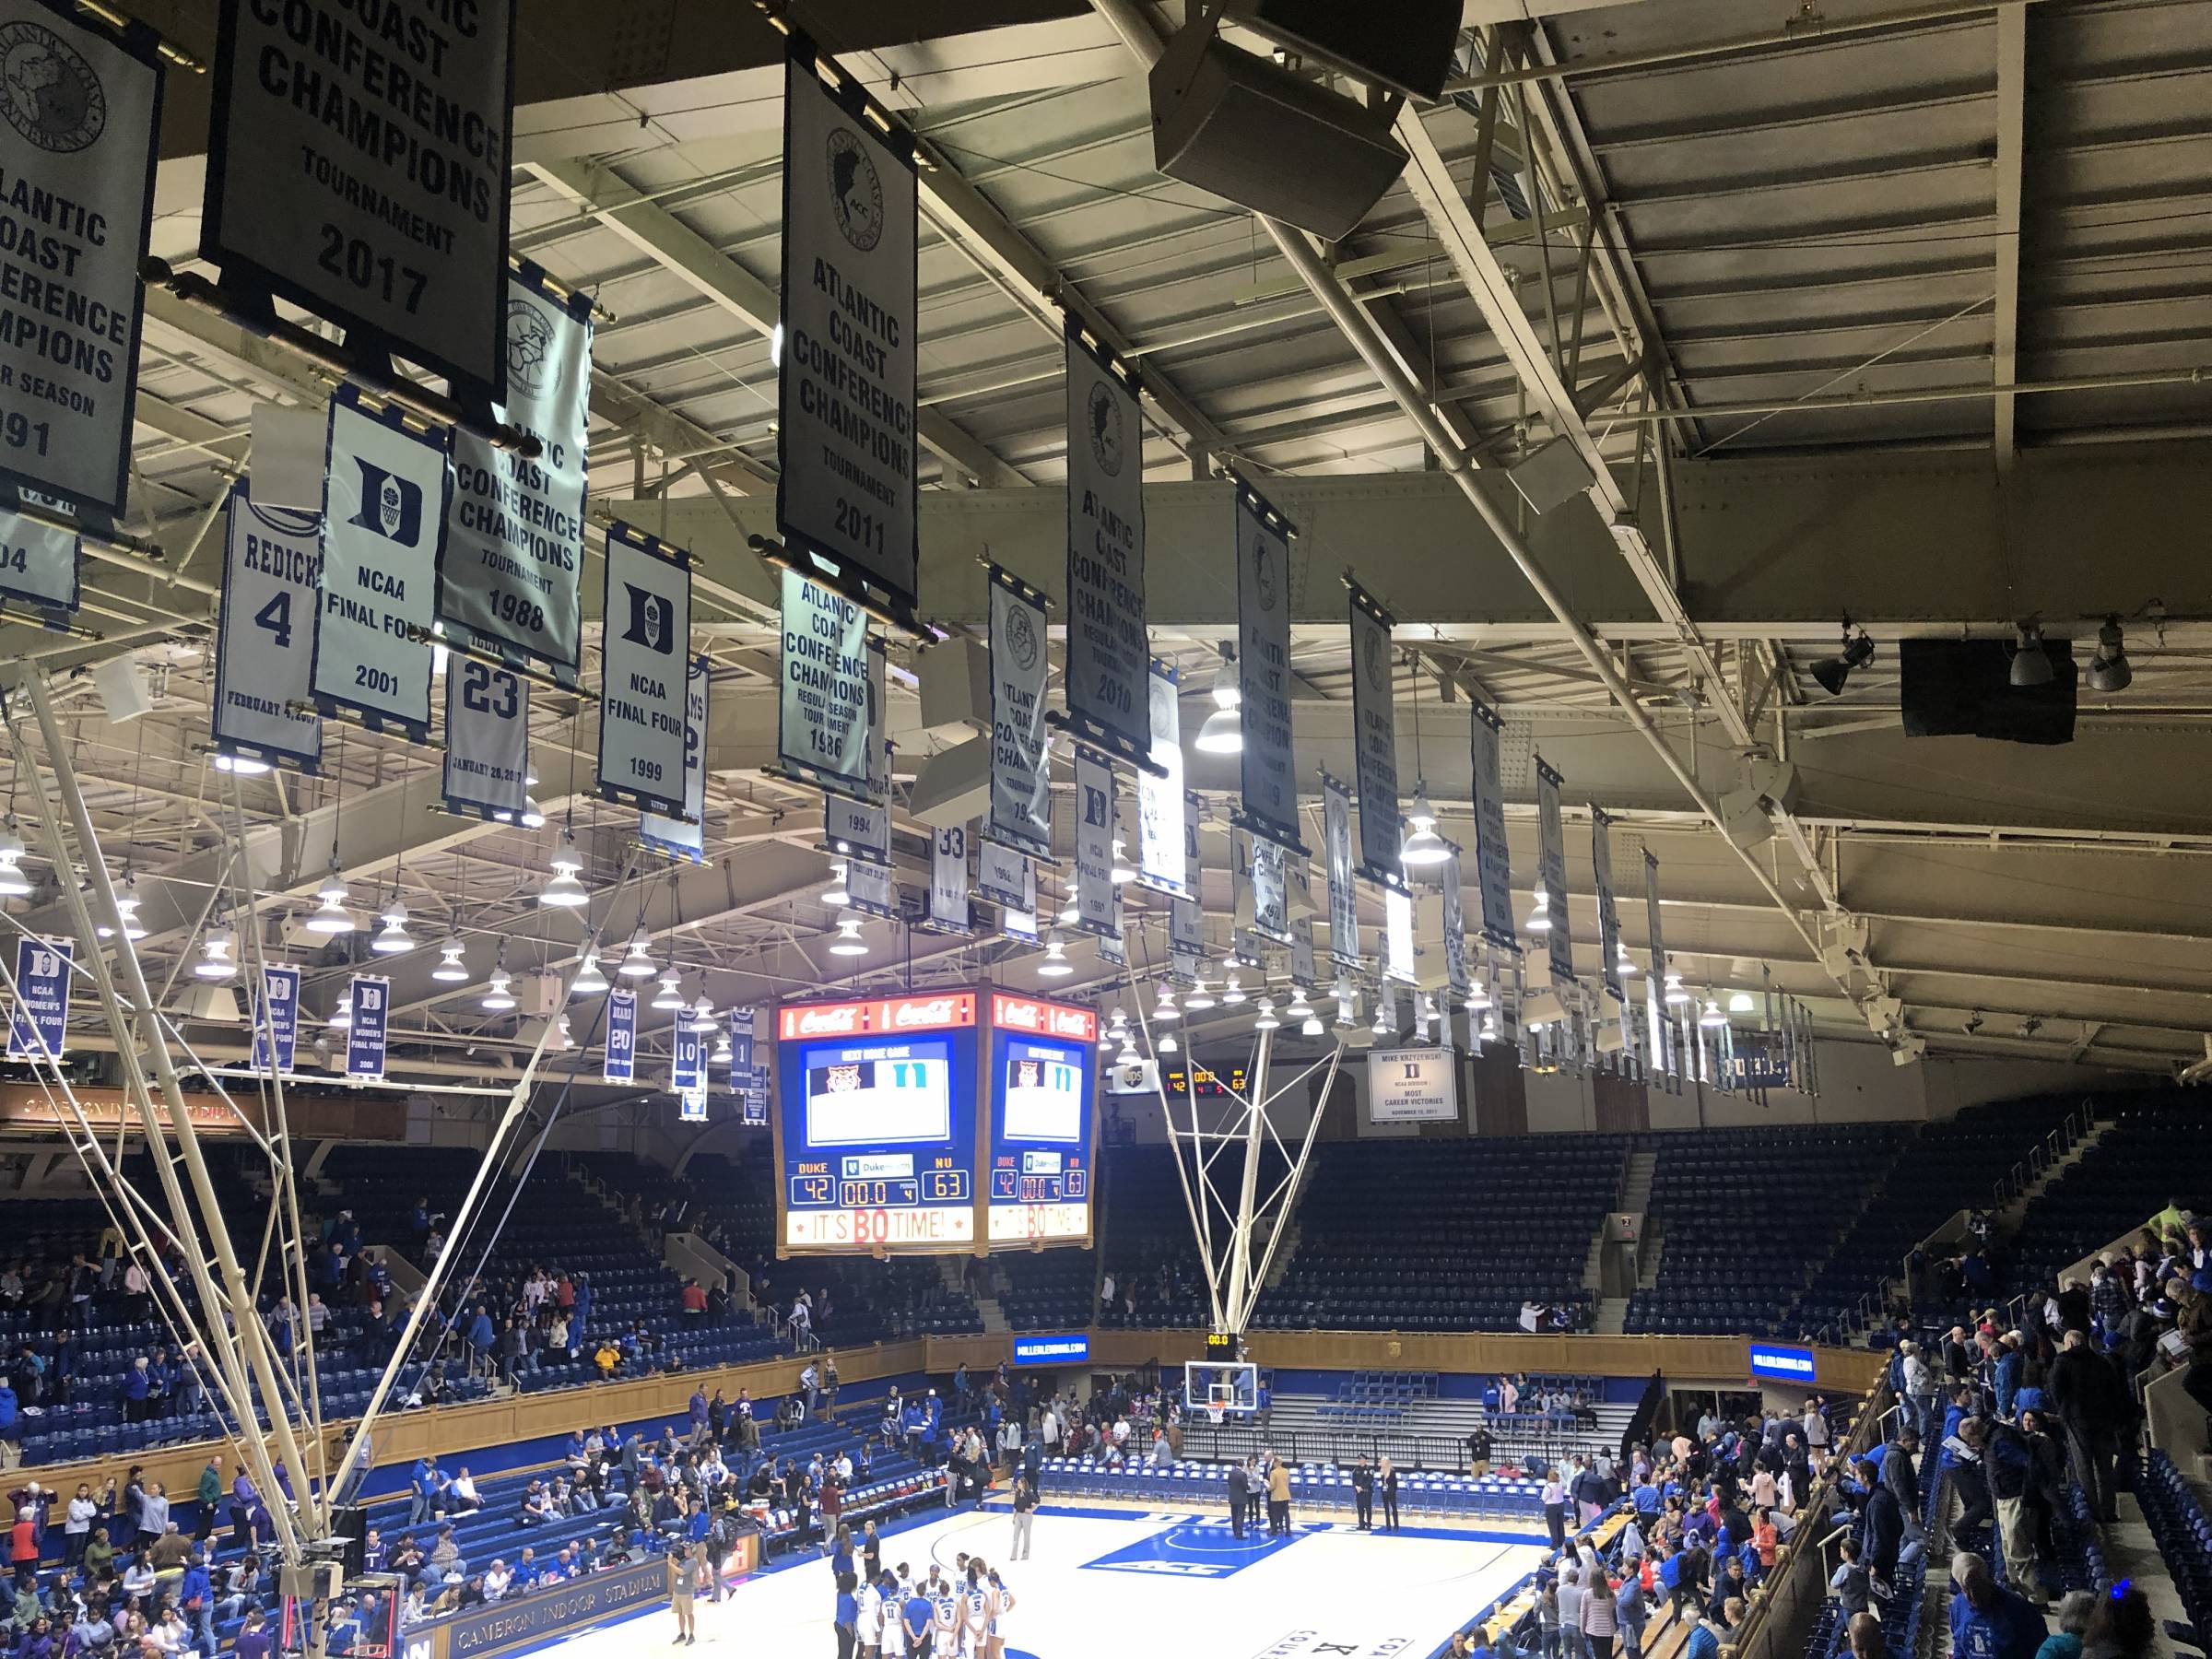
(943, 1120)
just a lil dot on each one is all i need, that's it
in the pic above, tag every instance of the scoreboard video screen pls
(1042, 1068)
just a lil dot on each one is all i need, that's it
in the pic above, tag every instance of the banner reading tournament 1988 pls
(1493, 860)
(1551, 865)
(83, 109)
(265, 640)
(357, 165)
(1375, 737)
(645, 661)
(1263, 543)
(845, 382)
(1108, 649)
(1021, 798)
(822, 707)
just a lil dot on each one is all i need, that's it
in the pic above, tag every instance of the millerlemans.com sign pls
(1777, 1362)
(1052, 1350)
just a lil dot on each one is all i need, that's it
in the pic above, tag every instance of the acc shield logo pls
(1375, 648)
(390, 507)
(48, 90)
(652, 619)
(1106, 428)
(1264, 582)
(1022, 638)
(855, 191)
(529, 346)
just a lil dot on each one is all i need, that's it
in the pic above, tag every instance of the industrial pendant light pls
(837, 896)
(341, 1017)
(589, 980)
(452, 969)
(702, 1015)
(2031, 663)
(1231, 993)
(1167, 1043)
(13, 884)
(848, 942)
(562, 1039)
(1223, 733)
(722, 1054)
(331, 916)
(637, 961)
(246, 766)
(1165, 1009)
(1264, 1019)
(214, 961)
(1055, 964)
(392, 939)
(1622, 960)
(1712, 1016)
(565, 891)
(1424, 846)
(1540, 915)
(1676, 994)
(498, 997)
(1739, 1002)
(126, 910)
(2109, 669)
(1197, 999)
(670, 996)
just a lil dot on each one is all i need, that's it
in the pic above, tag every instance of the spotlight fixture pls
(497, 996)
(452, 969)
(848, 942)
(1197, 999)
(1540, 915)
(837, 897)
(1055, 964)
(1223, 733)
(1231, 993)
(126, 910)
(589, 980)
(332, 916)
(341, 1017)
(1623, 962)
(1122, 870)
(670, 996)
(13, 884)
(1299, 1008)
(2031, 663)
(1739, 1002)
(565, 891)
(637, 961)
(214, 961)
(1167, 1043)
(2109, 669)
(1424, 845)
(392, 939)
(1832, 672)
(1676, 994)
(1264, 1019)
(702, 1015)
(1313, 1027)
(1164, 1010)
(1713, 1017)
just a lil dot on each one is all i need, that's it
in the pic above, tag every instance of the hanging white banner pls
(487, 740)
(385, 488)
(1609, 917)
(1456, 973)
(1397, 936)
(368, 1038)
(1107, 645)
(1021, 788)
(1303, 973)
(1096, 912)
(1551, 866)
(83, 103)
(1263, 897)
(1650, 916)
(1337, 849)
(38, 564)
(1008, 879)
(1160, 795)
(948, 909)
(1412, 1086)
(264, 637)
(873, 888)
(40, 1024)
(513, 568)
(672, 836)
(822, 710)
(359, 167)
(1493, 859)
(1112, 947)
(1186, 916)
(1270, 793)
(845, 384)
(621, 1062)
(862, 828)
(1375, 736)
(646, 655)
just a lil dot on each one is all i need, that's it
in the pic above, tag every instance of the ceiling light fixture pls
(126, 910)
(2109, 669)
(1676, 994)
(1312, 1027)
(1540, 915)
(1623, 962)
(1711, 1016)
(670, 996)
(498, 997)
(1122, 870)
(393, 937)
(341, 1017)
(1832, 672)
(565, 891)
(1739, 1002)
(848, 942)
(1167, 1043)
(837, 896)
(1223, 733)
(1231, 993)
(1197, 999)
(589, 980)
(1299, 1008)
(637, 961)
(452, 969)
(2031, 663)
(332, 916)
(562, 1037)
(13, 884)
(214, 961)
(1165, 1008)
(246, 766)
(1264, 1019)
(702, 1015)
(1055, 964)
(1424, 846)
(534, 815)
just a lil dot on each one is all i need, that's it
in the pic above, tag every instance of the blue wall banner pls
(1263, 554)
(620, 1064)
(487, 740)
(1781, 1362)
(645, 657)
(40, 1020)
(276, 1016)
(265, 642)
(1053, 1350)
(368, 1037)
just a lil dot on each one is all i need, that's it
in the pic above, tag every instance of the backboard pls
(1228, 1388)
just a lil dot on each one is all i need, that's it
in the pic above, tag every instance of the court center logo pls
(529, 347)
(1264, 585)
(50, 94)
(1106, 442)
(855, 189)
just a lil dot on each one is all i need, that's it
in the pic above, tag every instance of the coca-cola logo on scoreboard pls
(1046, 1019)
(926, 1012)
(826, 1020)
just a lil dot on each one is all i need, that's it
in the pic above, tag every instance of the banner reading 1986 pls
(1270, 790)
(1108, 649)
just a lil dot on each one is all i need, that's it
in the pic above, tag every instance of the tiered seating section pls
(1379, 1396)
(2157, 1148)
(2184, 1534)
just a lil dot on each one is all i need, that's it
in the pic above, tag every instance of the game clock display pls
(1042, 1068)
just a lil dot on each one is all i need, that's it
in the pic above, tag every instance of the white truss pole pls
(1287, 1193)
(1239, 1241)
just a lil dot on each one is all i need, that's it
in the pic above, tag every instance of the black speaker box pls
(1405, 45)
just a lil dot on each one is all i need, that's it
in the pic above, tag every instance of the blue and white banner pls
(1260, 890)
(823, 721)
(277, 1019)
(1375, 737)
(369, 1038)
(1609, 917)
(687, 1069)
(265, 642)
(1337, 849)
(1551, 866)
(1021, 789)
(744, 1025)
(1493, 861)
(1160, 794)
(1097, 907)
(487, 740)
(644, 667)
(38, 565)
(948, 909)
(1107, 648)
(1263, 552)
(620, 1064)
(873, 888)
(674, 836)
(41, 1016)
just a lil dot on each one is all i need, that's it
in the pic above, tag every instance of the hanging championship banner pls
(1021, 787)
(265, 639)
(1270, 793)
(276, 1016)
(644, 668)
(1008, 879)
(38, 564)
(1456, 972)
(1096, 912)
(1108, 647)
(1609, 917)
(948, 909)
(83, 104)
(1336, 847)
(487, 740)
(41, 1021)
(369, 1038)
(1304, 973)
(385, 486)
(1551, 868)
(513, 568)
(1263, 895)
(1493, 859)
(862, 828)
(1159, 794)
(357, 165)
(1112, 947)
(1651, 917)
(873, 888)
(822, 713)
(621, 1064)
(1375, 737)
(1186, 916)
(672, 836)
(846, 492)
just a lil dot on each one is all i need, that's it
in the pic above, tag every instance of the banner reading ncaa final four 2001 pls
(357, 165)
(1109, 652)
(850, 482)
(80, 109)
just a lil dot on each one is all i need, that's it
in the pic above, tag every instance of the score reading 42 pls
(876, 1183)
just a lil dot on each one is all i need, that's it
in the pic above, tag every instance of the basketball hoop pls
(1215, 1414)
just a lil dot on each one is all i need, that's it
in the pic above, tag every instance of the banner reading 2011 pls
(646, 656)
(845, 384)
(1270, 792)
(1109, 652)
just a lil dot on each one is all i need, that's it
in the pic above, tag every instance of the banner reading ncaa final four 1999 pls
(357, 165)
(850, 481)
(80, 109)
(645, 660)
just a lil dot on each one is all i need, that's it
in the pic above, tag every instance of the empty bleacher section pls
(1422, 1419)
(2155, 1147)
(1152, 1253)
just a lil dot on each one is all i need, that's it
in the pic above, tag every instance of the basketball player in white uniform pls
(952, 1623)
(1002, 1603)
(976, 1609)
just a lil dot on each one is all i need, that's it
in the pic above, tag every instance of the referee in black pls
(1363, 1495)
(1239, 1488)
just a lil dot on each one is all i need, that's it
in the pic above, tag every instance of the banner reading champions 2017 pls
(1109, 652)
(83, 109)
(1270, 790)
(845, 384)
(646, 654)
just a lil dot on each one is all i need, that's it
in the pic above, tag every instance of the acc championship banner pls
(1107, 648)
(357, 165)
(1304, 972)
(514, 569)
(83, 105)
(487, 740)
(845, 382)
(1336, 847)
(1608, 918)
(1186, 915)
(1160, 795)
(1456, 972)
(862, 828)
(277, 1019)
(1008, 879)
(1493, 860)
(644, 667)
(949, 881)
(1375, 736)
(41, 1017)
(384, 492)
(1096, 911)
(822, 713)
(264, 641)
(1551, 869)
(1270, 793)
(38, 564)
(621, 1064)
(674, 836)
(1021, 809)
(370, 1035)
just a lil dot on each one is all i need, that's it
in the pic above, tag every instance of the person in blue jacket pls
(1989, 1621)
(8, 1409)
(195, 1599)
(920, 1618)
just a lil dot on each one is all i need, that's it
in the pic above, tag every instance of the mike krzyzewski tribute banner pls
(41, 1017)
(368, 1037)
(1337, 849)
(1609, 916)
(357, 165)
(845, 385)
(674, 836)
(1108, 649)
(513, 568)
(1493, 862)
(822, 710)
(77, 177)
(487, 740)
(264, 641)
(621, 1062)
(1022, 810)
(646, 657)
(1551, 865)
(1375, 734)
(1270, 793)
(385, 486)
(1159, 794)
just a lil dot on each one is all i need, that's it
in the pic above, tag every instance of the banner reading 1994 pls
(1270, 790)
(646, 656)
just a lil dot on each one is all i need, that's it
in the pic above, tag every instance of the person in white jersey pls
(1001, 1604)
(976, 1609)
(868, 1629)
(952, 1620)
